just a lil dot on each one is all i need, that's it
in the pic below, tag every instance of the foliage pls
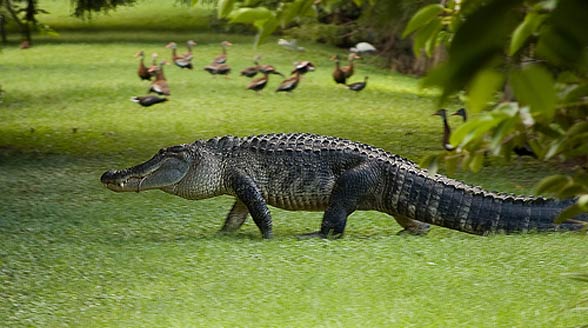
(524, 64)
(85, 8)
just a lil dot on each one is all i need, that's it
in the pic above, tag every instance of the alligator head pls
(164, 170)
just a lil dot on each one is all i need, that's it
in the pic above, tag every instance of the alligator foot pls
(418, 230)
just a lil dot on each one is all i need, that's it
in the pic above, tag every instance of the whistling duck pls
(147, 101)
(251, 71)
(153, 68)
(446, 130)
(160, 85)
(290, 83)
(358, 86)
(222, 58)
(142, 71)
(218, 69)
(259, 83)
(303, 67)
(269, 69)
(348, 70)
(185, 60)
(461, 112)
(338, 74)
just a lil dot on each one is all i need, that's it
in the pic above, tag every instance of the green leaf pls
(581, 206)
(422, 18)
(431, 163)
(224, 7)
(552, 183)
(265, 29)
(255, 16)
(426, 38)
(291, 10)
(524, 31)
(482, 88)
(534, 86)
(476, 162)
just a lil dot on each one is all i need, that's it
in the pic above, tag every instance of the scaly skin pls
(318, 173)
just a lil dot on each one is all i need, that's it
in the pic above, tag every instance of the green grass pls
(74, 254)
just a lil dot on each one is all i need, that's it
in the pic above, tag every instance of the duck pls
(218, 69)
(251, 71)
(143, 71)
(446, 129)
(303, 67)
(160, 85)
(259, 83)
(348, 70)
(222, 58)
(289, 84)
(462, 113)
(149, 100)
(185, 60)
(338, 74)
(153, 68)
(358, 86)
(269, 69)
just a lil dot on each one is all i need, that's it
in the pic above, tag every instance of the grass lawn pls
(73, 254)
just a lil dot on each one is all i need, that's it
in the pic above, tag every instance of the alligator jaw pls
(120, 182)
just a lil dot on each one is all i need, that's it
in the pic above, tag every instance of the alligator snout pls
(109, 177)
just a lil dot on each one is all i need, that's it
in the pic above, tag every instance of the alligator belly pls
(307, 202)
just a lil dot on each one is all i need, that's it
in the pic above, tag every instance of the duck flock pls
(219, 66)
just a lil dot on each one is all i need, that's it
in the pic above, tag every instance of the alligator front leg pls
(249, 194)
(236, 217)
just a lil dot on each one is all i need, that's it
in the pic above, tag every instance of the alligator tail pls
(449, 203)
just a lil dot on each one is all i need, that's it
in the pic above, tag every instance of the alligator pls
(299, 171)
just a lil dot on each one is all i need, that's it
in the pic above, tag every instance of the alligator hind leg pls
(347, 194)
(412, 227)
(236, 217)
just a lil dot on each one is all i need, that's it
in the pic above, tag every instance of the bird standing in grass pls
(142, 71)
(446, 130)
(358, 86)
(251, 71)
(348, 70)
(259, 83)
(160, 85)
(289, 84)
(338, 74)
(218, 69)
(269, 69)
(222, 58)
(185, 60)
(303, 67)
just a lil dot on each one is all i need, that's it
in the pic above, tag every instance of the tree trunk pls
(3, 28)
(23, 25)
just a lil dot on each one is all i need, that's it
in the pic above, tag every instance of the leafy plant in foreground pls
(523, 66)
